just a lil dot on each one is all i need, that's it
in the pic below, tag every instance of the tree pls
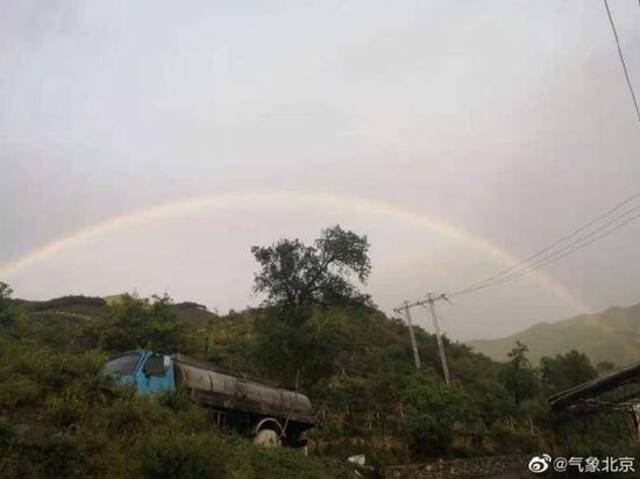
(139, 323)
(300, 353)
(518, 376)
(566, 370)
(5, 305)
(432, 410)
(294, 275)
(299, 341)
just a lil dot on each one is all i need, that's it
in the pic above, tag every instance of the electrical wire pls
(546, 259)
(556, 258)
(582, 243)
(527, 262)
(624, 65)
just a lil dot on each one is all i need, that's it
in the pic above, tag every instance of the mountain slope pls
(360, 359)
(611, 335)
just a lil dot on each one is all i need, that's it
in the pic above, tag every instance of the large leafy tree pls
(294, 274)
(566, 370)
(518, 376)
(299, 340)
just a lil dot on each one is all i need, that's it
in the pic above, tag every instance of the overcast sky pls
(509, 120)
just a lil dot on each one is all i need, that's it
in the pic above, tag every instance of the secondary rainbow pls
(336, 201)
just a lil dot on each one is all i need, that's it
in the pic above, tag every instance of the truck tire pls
(267, 438)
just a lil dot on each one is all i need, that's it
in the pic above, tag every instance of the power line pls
(538, 266)
(556, 256)
(624, 65)
(561, 253)
(577, 244)
(527, 262)
(550, 257)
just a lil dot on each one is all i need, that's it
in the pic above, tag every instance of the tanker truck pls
(270, 416)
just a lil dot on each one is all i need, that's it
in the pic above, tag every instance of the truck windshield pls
(122, 364)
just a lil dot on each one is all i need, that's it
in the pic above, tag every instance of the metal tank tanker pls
(288, 413)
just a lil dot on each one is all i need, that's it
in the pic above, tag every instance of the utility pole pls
(432, 298)
(414, 345)
(427, 303)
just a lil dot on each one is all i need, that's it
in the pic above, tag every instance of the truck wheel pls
(267, 438)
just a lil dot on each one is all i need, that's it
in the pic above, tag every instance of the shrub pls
(178, 456)
(139, 323)
(19, 391)
(129, 415)
(51, 455)
(177, 400)
(433, 409)
(284, 464)
(63, 410)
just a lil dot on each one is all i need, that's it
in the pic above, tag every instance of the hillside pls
(356, 386)
(611, 335)
(353, 362)
(96, 307)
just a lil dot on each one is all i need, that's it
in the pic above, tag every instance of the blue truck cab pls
(148, 371)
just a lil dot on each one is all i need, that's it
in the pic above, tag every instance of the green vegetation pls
(60, 418)
(518, 376)
(303, 286)
(134, 323)
(6, 318)
(294, 275)
(316, 332)
(563, 371)
(432, 412)
(610, 336)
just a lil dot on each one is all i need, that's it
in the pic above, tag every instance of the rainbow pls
(336, 201)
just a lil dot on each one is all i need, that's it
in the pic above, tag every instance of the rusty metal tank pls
(214, 388)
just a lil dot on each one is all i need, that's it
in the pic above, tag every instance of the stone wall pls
(504, 467)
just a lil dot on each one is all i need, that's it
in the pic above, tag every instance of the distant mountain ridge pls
(611, 335)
